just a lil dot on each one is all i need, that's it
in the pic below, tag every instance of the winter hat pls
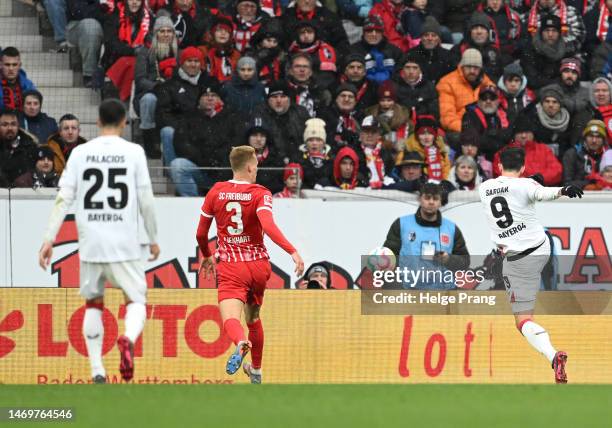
(522, 124)
(257, 125)
(191, 53)
(551, 91)
(279, 87)
(162, 22)
(513, 69)
(352, 58)
(595, 126)
(471, 57)
(571, 64)
(373, 22)
(315, 128)
(469, 137)
(292, 169)
(222, 21)
(370, 122)
(479, 19)
(387, 90)
(550, 21)
(270, 28)
(345, 87)
(211, 88)
(245, 61)
(44, 152)
(431, 25)
(426, 123)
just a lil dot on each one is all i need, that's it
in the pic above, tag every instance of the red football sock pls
(256, 336)
(234, 331)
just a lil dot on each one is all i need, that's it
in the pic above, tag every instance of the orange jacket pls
(454, 94)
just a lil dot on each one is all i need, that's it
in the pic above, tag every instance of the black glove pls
(572, 192)
(537, 177)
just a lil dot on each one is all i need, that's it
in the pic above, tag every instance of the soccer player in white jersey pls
(108, 180)
(509, 203)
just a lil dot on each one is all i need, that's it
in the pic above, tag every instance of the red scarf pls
(375, 164)
(606, 112)
(268, 74)
(534, 18)
(500, 115)
(360, 91)
(219, 65)
(263, 155)
(286, 193)
(433, 162)
(603, 24)
(126, 30)
(191, 12)
(327, 54)
(305, 16)
(271, 7)
(12, 97)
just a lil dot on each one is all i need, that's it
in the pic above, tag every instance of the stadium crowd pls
(383, 94)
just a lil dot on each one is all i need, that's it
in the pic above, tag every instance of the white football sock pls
(93, 330)
(135, 316)
(539, 339)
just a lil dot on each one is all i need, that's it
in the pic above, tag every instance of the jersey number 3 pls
(500, 210)
(98, 177)
(236, 218)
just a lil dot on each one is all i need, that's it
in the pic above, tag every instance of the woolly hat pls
(551, 91)
(345, 87)
(191, 53)
(571, 64)
(479, 19)
(373, 22)
(471, 57)
(245, 61)
(387, 90)
(315, 128)
(353, 57)
(426, 123)
(292, 169)
(550, 21)
(279, 87)
(44, 152)
(513, 69)
(162, 22)
(595, 126)
(431, 25)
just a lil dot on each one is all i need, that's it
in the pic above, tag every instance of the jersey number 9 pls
(500, 210)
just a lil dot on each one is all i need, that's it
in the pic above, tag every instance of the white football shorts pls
(128, 276)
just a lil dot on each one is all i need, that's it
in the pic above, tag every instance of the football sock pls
(538, 338)
(135, 316)
(256, 336)
(234, 331)
(93, 330)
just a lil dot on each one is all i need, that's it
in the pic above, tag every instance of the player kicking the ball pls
(243, 212)
(108, 180)
(509, 202)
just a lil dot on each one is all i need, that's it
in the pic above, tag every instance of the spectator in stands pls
(190, 21)
(266, 48)
(428, 143)
(17, 148)
(539, 158)
(317, 277)
(436, 61)
(477, 37)
(219, 53)
(470, 146)
(153, 67)
(464, 174)
(542, 57)
(514, 95)
(355, 74)
(575, 96)
(599, 65)
(316, 158)
(293, 176)
(551, 120)
(204, 140)
(572, 25)
(346, 175)
(258, 137)
(308, 93)
(14, 81)
(507, 28)
(330, 27)
(56, 12)
(354, 10)
(179, 96)
(380, 56)
(42, 173)
(426, 239)
(581, 162)
(63, 142)
(341, 118)
(248, 19)
(412, 19)
(415, 91)
(597, 24)
(458, 89)
(322, 54)
(285, 121)
(488, 120)
(408, 173)
(126, 31)
(84, 30)
(33, 120)
(378, 152)
(604, 180)
(390, 12)
(394, 118)
(601, 100)
(245, 92)
(455, 14)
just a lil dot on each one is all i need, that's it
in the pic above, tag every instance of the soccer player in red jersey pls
(243, 212)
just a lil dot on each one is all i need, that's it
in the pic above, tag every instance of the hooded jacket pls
(514, 104)
(317, 170)
(356, 179)
(580, 166)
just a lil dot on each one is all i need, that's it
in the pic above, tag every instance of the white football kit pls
(108, 180)
(509, 205)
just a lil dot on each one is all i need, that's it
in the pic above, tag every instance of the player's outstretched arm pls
(63, 201)
(269, 227)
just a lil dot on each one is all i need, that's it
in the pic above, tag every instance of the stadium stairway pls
(20, 26)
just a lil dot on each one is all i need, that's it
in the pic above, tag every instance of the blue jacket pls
(243, 96)
(26, 85)
(41, 126)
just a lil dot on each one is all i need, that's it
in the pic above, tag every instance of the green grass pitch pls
(313, 406)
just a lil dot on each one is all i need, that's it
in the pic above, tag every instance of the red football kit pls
(243, 212)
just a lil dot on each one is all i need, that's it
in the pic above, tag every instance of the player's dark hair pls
(10, 51)
(512, 159)
(9, 112)
(111, 112)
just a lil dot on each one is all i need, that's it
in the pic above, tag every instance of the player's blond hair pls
(240, 156)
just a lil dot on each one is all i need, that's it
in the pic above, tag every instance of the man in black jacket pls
(17, 149)
(436, 62)
(414, 89)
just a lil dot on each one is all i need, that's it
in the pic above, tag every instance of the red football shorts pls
(245, 281)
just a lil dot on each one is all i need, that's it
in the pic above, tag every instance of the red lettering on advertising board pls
(169, 315)
(405, 350)
(13, 321)
(593, 239)
(47, 346)
(192, 335)
(75, 331)
(469, 338)
(563, 233)
(441, 341)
